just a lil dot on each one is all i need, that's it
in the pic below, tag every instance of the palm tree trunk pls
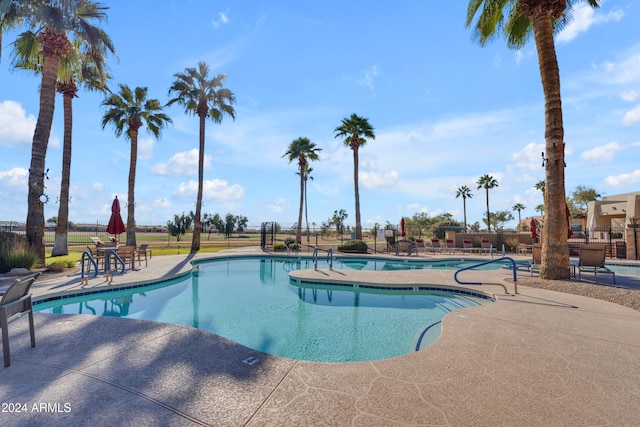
(35, 207)
(195, 243)
(299, 227)
(464, 207)
(555, 250)
(357, 193)
(488, 213)
(60, 247)
(306, 212)
(131, 201)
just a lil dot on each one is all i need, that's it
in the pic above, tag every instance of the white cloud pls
(584, 16)
(278, 206)
(222, 19)
(15, 126)
(161, 203)
(630, 95)
(214, 189)
(369, 76)
(622, 180)
(632, 116)
(604, 153)
(181, 164)
(15, 178)
(371, 180)
(529, 157)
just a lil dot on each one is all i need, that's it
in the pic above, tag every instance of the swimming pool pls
(250, 300)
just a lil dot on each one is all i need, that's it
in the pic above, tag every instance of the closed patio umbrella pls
(534, 229)
(569, 232)
(402, 231)
(116, 225)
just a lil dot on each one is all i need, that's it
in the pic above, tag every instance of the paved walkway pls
(537, 358)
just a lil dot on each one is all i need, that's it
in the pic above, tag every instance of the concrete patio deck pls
(537, 358)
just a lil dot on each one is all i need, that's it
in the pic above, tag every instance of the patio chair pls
(592, 259)
(128, 255)
(450, 245)
(143, 250)
(486, 246)
(420, 245)
(536, 258)
(435, 245)
(16, 302)
(467, 246)
(405, 245)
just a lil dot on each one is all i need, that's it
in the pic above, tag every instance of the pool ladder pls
(329, 258)
(513, 267)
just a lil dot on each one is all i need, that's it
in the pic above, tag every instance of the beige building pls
(614, 211)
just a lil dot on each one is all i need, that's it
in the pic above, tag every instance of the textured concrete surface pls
(536, 358)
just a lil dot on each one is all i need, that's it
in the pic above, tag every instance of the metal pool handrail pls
(107, 263)
(329, 257)
(513, 267)
(87, 255)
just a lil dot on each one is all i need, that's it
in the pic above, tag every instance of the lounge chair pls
(486, 246)
(435, 245)
(420, 245)
(450, 245)
(467, 246)
(15, 302)
(592, 259)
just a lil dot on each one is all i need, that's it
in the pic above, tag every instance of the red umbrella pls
(569, 232)
(534, 229)
(116, 226)
(402, 232)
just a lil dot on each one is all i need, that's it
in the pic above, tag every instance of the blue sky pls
(444, 109)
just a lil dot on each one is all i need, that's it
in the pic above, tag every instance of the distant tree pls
(465, 193)
(579, 201)
(487, 182)
(337, 220)
(500, 218)
(302, 150)
(179, 226)
(519, 207)
(204, 97)
(230, 224)
(242, 222)
(540, 209)
(355, 130)
(475, 227)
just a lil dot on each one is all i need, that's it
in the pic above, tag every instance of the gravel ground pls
(626, 297)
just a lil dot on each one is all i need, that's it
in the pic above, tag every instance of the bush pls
(57, 266)
(17, 258)
(357, 246)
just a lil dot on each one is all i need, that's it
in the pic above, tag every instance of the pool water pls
(626, 270)
(251, 301)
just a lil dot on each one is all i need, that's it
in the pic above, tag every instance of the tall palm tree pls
(204, 97)
(355, 130)
(465, 193)
(541, 18)
(84, 65)
(126, 111)
(487, 182)
(52, 21)
(303, 150)
(519, 207)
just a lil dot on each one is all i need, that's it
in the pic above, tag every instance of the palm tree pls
(355, 129)
(126, 111)
(519, 207)
(51, 22)
(542, 18)
(307, 176)
(84, 65)
(203, 97)
(465, 193)
(303, 150)
(487, 182)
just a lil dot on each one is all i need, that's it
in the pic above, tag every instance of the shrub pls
(357, 246)
(57, 266)
(17, 258)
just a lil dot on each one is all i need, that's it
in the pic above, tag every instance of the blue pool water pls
(252, 301)
(627, 270)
